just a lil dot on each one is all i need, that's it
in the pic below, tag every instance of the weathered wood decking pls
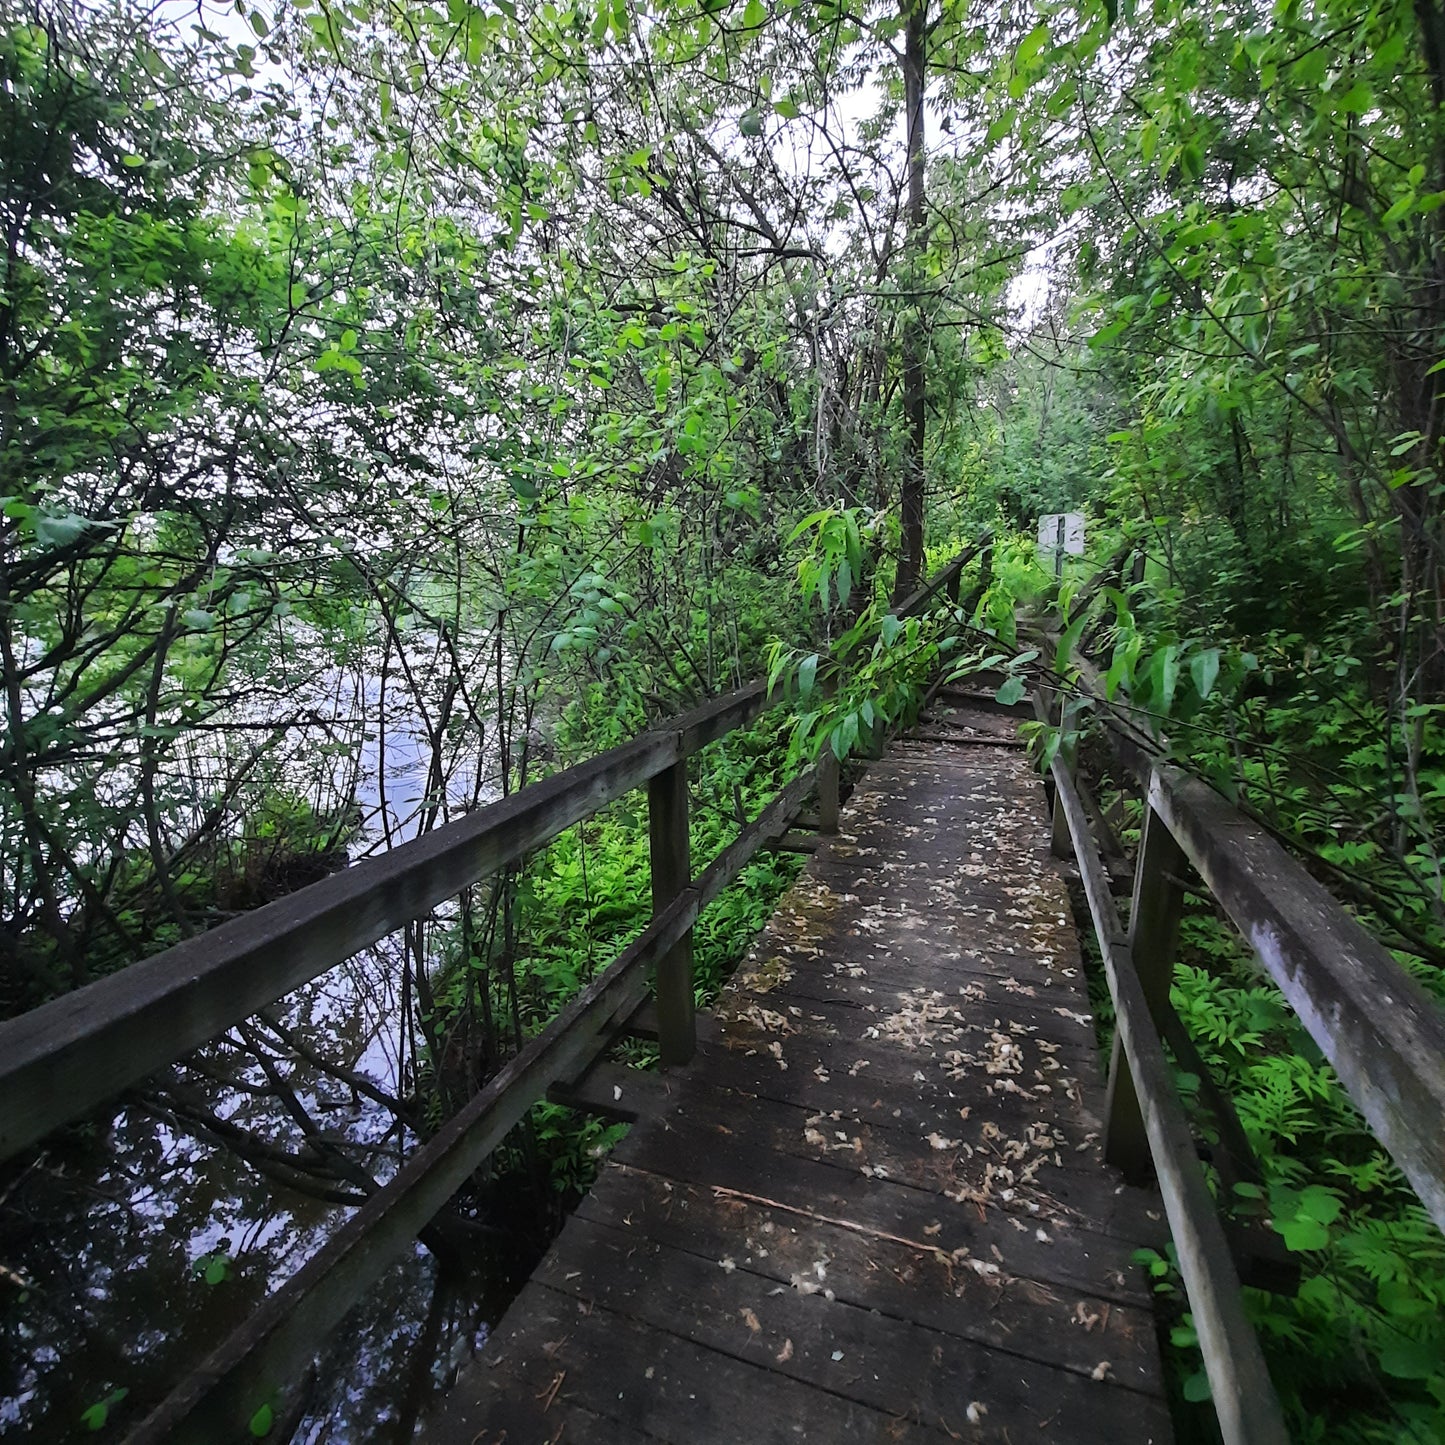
(874, 1207)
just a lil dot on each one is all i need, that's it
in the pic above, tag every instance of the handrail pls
(1384, 1035)
(287, 1324)
(61, 1060)
(1375, 1024)
(1244, 1397)
(947, 576)
(1379, 1029)
(58, 1061)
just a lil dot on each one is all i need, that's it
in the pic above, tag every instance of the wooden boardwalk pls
(874, 1208)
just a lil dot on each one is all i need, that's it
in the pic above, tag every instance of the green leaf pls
(59, 531)
(750, 123)
(261, 1422)
(1412, 1359)
(754, 14)
(1356, 100)
(808, 675)
(1106, 334)
(1010, 691)
(1001, 127)
(1318, 1203)
(1401, 208)
(1031, 44)
(1302, 1235)
(1204, 669)
(1196, 1387)
(1167, 676)
(98, 1414)
(198, 619)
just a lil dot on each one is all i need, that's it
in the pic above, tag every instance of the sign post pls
(1060, 534)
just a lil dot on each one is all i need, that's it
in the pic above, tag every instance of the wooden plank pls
(874, 1358)
(651, 1383)
(1072, 1257)
(613, 1091)
(59, 1061)
(958, 1006)
(217, 1400)
(961, 740)
(517, 1413)
(960, 1015)
(895, 1099)
(780, 1218)
(1382, 1033)
(1019, 1162)
(1244, 1399)
(918, 1280)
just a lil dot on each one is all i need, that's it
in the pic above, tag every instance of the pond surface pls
(124, 1258)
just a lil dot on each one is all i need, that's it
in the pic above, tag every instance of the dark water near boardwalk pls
(124, 1258)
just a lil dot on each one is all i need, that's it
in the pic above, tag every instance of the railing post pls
(951, 585)
(1060, 844)
(827, 790)
(668, 833)
(1154, 917)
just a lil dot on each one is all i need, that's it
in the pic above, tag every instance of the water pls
(124, 1259)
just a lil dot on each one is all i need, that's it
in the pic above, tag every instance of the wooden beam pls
(60, 1060)
(1066, 755)
(719, 716)
(771, 823)
(1380, 1030)
(1244, 1397)
(946, 578)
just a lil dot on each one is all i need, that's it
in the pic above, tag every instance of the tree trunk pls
(915, 341)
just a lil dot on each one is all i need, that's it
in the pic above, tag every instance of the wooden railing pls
(1382, 1033)
(60, 1061)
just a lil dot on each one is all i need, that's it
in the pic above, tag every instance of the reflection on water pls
(125, 1257)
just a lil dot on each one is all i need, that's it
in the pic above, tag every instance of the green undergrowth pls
(583, 899)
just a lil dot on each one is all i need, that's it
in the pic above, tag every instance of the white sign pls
(1061, 534)
(1062, 530)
